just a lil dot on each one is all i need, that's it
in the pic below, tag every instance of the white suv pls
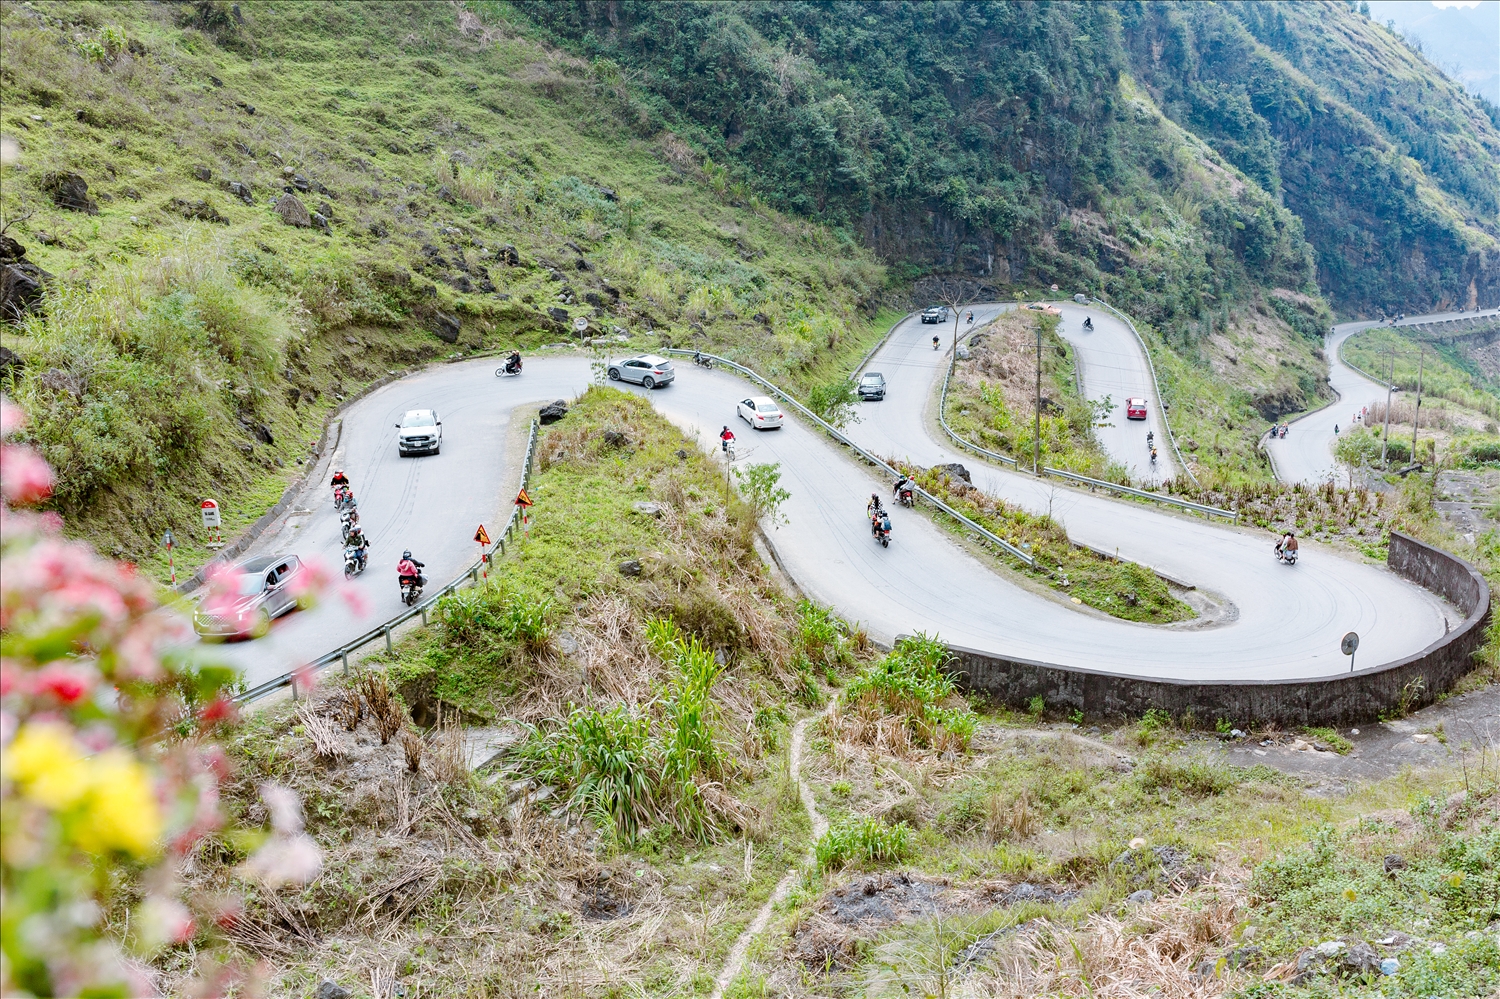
(420, 432)
(647, 369)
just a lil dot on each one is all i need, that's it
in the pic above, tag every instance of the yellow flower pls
(106, 801)
(122, 812)
(47, 765)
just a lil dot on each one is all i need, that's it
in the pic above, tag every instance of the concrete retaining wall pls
(1336, 700)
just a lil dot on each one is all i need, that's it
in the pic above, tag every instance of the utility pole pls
(1036, 440)
(1416, 420)
(1390, 373)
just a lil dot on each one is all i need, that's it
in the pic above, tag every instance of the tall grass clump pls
(862, 841)
(908, 699)
(514, 616)
(628, 769)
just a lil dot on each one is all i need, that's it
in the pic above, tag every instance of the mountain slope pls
(479, 191)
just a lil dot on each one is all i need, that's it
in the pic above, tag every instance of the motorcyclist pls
(408, 570)
(934, 341)
(725, 436)
(902, 482)
(339, 479)
(1153, 456)
(1151, 439)
(1287, 544)
(513, 362)
(358, 542)
(971, 317)
(1088, 323)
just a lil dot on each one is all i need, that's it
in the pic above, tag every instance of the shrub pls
(822, 635)
(911, 685)
(859, 841)
(836, 402)
(1197, 777)
(625, 769)
(518, 617)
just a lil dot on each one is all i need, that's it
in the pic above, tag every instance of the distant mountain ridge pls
(963, 137)
(1463, 42)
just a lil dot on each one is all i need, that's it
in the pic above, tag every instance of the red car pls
(1135, 409)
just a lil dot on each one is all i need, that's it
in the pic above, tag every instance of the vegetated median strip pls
(341, 654)
(736, 959)
(872, 459)
(1074, 476)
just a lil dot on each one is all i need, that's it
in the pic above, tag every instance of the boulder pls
(301, 183)
(327, 989)
(614, 438)
(22, 283)
(953, 470)
(379, 230)
(1394, 863)
(319, 221)
(561, 315)
(199, 210)
(508, 256)
(631, 567)
(240, 190)
(446, 327)
(203, 173)
(647, 509)
(11, 364)
(70, 191)
(293, 212)
(1143, 897)
(552, 412)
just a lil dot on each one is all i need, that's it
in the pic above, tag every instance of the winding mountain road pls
(1281, 623)
(1305, 454)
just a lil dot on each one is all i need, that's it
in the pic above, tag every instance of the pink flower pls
(12, 417)
(286, 860)
(25, 477)
(219, 709)
(312, 582)
(285, 808)
(354, 599)
(67, 682)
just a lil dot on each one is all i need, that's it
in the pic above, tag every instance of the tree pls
(758, 484)
(835, 402)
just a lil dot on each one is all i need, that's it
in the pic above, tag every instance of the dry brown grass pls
(1151, 953)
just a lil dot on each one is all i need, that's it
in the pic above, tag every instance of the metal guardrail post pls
(345, 657)
(388, 648)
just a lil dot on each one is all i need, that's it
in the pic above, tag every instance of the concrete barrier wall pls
(1336, 700)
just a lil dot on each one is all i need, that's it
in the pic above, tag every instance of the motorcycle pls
(1286, 556)
(411, 590)
(905, 497)
(880, 527)
(343, 499)
(934, 343)
(512, 367)
(701, 361)
(347, 521)
(726, 444)
(1088, 324)
(355, 560)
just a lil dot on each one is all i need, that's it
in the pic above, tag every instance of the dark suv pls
(257, 590)
(872, 385)
(935, 314)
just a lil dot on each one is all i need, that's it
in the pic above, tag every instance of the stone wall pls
(1335, 700)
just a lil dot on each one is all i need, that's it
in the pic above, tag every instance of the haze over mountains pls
(1462, 41)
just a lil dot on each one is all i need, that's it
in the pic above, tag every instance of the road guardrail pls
(383, 630)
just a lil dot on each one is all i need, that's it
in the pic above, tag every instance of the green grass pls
(912, 684)
(426, 186)
(1119, 588)
(864, 841)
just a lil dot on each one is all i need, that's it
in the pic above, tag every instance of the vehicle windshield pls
(871, 379)
(418, 420)
(250, 583)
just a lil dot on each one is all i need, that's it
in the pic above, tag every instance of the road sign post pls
(523, 500)
(1348, 645)
(211, 522)
(169, 541)
(483, 538)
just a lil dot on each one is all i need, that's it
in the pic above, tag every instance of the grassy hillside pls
(1390, 166)
(479, 192)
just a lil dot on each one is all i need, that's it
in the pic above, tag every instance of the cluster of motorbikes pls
(357, 547)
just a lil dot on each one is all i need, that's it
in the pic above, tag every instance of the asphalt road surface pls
(1306, 453)
(1282, 622)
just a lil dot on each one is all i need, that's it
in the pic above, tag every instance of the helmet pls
(338, 471)
(406, 554)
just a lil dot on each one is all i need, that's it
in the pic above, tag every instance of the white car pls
(421, 432)
(760, 412)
